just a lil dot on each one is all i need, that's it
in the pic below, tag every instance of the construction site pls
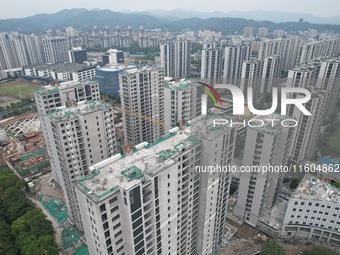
(49, 197)
(26, 153)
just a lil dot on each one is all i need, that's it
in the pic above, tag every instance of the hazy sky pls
(23, 8)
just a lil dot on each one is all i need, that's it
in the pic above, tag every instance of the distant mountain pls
(80, 19)
(275, 16)
(84, 19)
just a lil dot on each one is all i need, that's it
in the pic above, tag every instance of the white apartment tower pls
(74, 135)
(287, 48)
(251, 77)
(142, 99)
(248, 32)
(212, 63)
(176, 59)
(182, 99)
(12, 51)
(83, 135)
(262, 32)
(329, 80)
(55, 49)
(270, 73)
(50, 98)
(268, 145)
(152, 201)
(312, 50)
(306, 134)
(34, 49)
(233, 60)
(308, 129)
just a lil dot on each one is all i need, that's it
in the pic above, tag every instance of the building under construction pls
(32, 163)
(29, 156)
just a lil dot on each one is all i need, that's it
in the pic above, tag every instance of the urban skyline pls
(129, 154)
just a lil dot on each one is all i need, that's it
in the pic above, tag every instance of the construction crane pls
(138, 115)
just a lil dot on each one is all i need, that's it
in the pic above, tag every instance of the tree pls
(272, 247)
(320, 250)
(6, 240)
(34, 234)
(14, 204)
(294, 183)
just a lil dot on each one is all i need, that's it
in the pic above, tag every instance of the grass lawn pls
(14, 88)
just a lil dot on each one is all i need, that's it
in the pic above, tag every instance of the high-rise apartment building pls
(55, 49)
(287, 48)
(142, 100)
(12, 51)
(50, 98)
(34, 49)
(329, 80)
(268, 145)
(251, 78)
(182, 101)
(153, 201)
(233, 61)
(262, 32)
(312, 50)
(212, 63)
(309, 127)
(308, 76)
(278, 33)
(176, 59)
(83, 135)
(270, 73)
(248, 32)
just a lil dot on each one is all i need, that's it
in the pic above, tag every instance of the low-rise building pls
(313, 212)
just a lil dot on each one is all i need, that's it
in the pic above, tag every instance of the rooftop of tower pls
(271, 123)
(131, 72)
(125, 171)
(49, 89)
(66, 113)
(313, 188)
(182, 84)
(304, 67)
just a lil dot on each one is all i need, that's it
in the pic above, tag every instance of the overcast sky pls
(23, 8)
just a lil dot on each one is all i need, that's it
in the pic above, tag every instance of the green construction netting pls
(55, 207)
(82, 251)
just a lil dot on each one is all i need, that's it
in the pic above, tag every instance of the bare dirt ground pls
(46, 189)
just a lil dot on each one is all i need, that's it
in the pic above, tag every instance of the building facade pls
(142, 100)
(176, 59)
(83, 135)
(212, 63)
(55, 49)
(128, 204)
(233, 60)
(313, 212)
(268, 145)
(182, 100)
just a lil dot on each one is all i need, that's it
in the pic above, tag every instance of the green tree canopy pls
(272, 247)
